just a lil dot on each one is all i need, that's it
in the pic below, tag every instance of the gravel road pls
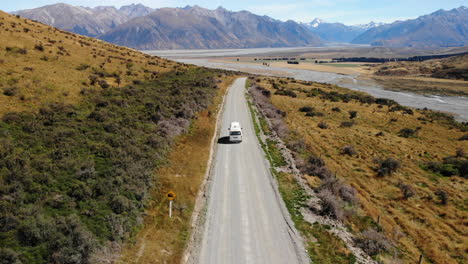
(246, 220)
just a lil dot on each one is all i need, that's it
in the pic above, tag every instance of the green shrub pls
(306, 109)
(323, 125)
(406, 190)
(16, 50)
(80, 175)
(352, 114)
(450, 166)
(442, 195)
(408, 132)
(39, 47)
(387, 166)
(347, 124)
(286, 92)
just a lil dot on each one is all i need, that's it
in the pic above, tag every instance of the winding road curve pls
(246, 220)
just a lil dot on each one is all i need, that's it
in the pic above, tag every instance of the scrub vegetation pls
(86, 128)
(394, 175)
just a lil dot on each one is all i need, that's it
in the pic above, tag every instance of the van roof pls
(235, 125)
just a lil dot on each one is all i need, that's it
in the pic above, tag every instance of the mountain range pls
(194, 27)
(439, 29)
(86, 21)
(338, 32)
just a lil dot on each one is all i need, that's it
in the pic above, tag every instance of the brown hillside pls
(448, 68)
(420, 223)
(41, 64)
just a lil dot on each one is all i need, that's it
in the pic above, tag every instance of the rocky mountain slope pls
(83, 20)
(439, 29)
(141, 27)
(198, 28)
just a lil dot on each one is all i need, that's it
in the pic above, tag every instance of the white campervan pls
(235, 132)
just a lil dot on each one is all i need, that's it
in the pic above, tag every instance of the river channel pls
(456, 105)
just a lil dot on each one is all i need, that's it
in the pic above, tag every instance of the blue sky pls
(346, 11)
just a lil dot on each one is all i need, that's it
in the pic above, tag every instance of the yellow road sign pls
(171, 195)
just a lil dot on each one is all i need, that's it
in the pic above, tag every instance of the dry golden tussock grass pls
(420, 224)
(162, 240)
(47, 72)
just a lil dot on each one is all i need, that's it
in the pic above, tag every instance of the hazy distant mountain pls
(133, 10)
(369, 25)
(439, 29)
(196, 27)
(83, 20)
(337, 32)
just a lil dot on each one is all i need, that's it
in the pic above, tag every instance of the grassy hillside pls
(409, 167)
(41, 64)
(84, 127)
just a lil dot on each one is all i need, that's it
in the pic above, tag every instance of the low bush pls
(387, 166)
(39, 47)
(298, 146)
(103, 84)
(266, 93)
(442, 195)
(332, 206)
(16, 50)
(269, 110)
(403, 109)
(9, 256)
(464, 137)
(374, 243)
(450, 166)
(323, 125)
(306, 109)
(406, 190)
(385, 101)
(352, 114)
(347, 124)
(10, 91)
(314, 113)
(348, 150)
(314, 166)
(336, 109)
(340, 189)
(286, 92)
(408, 132)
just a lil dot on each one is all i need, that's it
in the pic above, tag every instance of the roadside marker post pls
(170, 209)
(170, 196)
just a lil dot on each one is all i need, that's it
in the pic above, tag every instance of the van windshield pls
(235, 133)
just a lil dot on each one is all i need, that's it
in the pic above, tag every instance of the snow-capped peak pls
(314, 23)
(369, 25)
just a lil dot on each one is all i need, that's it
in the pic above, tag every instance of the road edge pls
(296, 237)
